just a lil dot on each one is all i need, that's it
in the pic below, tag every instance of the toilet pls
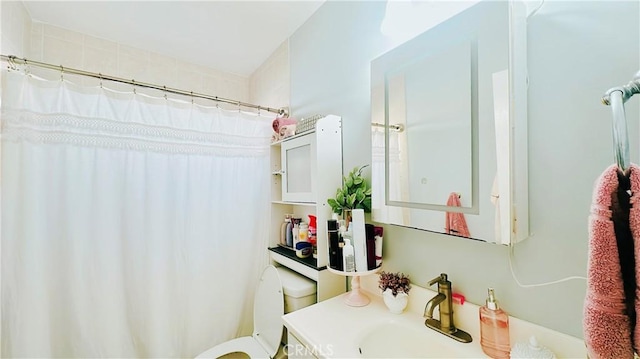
(280, 291)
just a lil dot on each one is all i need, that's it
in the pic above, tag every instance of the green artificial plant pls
(354, 193)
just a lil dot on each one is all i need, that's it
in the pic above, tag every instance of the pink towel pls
(282, 121)
(454, 221)
(607, 329)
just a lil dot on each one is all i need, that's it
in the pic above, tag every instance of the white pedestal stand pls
(355, 298)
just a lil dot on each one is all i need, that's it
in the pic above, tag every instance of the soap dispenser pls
(494, 329)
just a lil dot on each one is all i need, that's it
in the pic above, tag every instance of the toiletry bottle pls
(359, 239)
(371, 246)
(379, 231)
(289, 233)
(314, 246)
(283, 230)
(312, 226)
(334, 238)
(349, 258)
(303, 232)
(494, 329)
(295, 232)
(313, 234)
(340, 254)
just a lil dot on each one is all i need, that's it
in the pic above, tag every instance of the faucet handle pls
(439, 279)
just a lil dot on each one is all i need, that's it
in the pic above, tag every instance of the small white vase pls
(395, 304)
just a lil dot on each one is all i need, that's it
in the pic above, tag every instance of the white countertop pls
(334, 329)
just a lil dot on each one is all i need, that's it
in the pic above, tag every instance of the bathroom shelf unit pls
(306, 170)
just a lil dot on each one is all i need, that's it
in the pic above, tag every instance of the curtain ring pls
(133, 82)
(61, 73)
(238, 106)
(99, 74)
(217, 103)
(165, 92)
(12, 63)
(192, 97)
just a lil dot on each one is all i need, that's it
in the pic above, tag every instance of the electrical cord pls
(513, 274)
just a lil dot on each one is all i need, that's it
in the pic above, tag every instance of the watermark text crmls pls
(302, 350)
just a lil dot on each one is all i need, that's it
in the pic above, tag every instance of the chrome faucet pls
(443, 301)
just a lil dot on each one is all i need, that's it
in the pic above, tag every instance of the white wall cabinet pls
(298, 169)
(306, 171)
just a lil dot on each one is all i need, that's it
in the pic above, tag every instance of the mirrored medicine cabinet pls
(449, 127)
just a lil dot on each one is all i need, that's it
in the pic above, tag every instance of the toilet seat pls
(246, 345)
(268, 308)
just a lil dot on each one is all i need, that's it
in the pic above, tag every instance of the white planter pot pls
(395, 304)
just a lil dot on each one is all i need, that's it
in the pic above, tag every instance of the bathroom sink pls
(407, 340)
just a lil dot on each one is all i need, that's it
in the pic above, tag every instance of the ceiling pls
(230, 36)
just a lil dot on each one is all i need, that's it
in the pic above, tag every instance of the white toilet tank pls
(299, 291)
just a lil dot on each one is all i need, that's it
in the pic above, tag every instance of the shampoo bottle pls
(494, 329)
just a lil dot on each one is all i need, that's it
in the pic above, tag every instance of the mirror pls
(436, 118)
(446, 129)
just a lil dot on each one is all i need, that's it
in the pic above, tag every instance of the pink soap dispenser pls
(494, 329)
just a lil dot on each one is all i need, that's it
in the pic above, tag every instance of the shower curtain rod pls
(14, 60)
(397, 128)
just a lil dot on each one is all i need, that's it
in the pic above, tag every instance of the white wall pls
(15, 29)
(269, 85)
(577, 50)
(59, 46)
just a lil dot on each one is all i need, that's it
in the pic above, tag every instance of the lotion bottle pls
(348, 255)
(494, 329)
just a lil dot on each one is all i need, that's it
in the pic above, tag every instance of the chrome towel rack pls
(616, 97)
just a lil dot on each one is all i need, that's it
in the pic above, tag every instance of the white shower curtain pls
(131, 226)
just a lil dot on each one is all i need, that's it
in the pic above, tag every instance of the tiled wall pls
(269, 84)
(16, 28)
(56, 45)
